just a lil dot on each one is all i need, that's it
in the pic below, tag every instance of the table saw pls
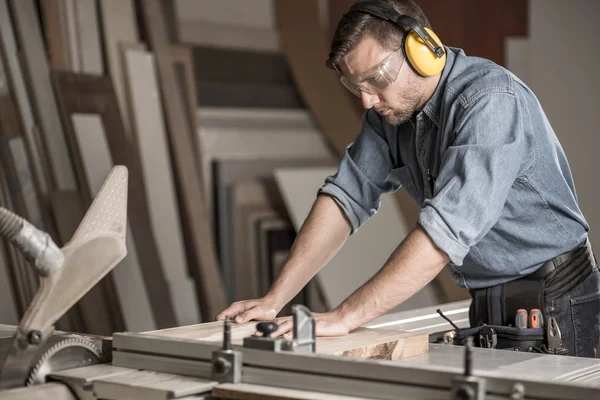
(40, 363)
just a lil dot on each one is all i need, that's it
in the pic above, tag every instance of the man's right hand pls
(248, 310)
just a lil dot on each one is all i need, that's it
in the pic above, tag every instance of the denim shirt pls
(482, 161)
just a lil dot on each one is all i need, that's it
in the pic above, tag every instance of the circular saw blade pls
(68, 353)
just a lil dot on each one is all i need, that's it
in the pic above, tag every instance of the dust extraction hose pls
(37, 246)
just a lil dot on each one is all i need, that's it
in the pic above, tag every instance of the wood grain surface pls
(197, 223)
(91, 94)
(381, 344)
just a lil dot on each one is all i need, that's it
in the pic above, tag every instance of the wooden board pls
(119, 25)
(151, 137)
(381, 344)
(90, 94)
(246, 196)
(248, 391)
(128, 279)
(58, 48)
(195, 214)
(234, 133)
(227, 173)
(150, 385)
(88, 31)
(16, 75)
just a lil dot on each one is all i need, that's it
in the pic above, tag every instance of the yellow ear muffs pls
(421, 57)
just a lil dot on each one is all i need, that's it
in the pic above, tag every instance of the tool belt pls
(493, 312)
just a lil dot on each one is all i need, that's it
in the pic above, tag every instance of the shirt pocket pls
(402, 178)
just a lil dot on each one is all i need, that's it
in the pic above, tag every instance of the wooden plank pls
(227, 173)
(194, 210)
(247, 391)
(278, 236)
(88, 94)
(152, 141)
(39, 392)
(15, 75)
(53, 20)
(150, 385)
(46, 109)
(209, 33)
(88, 30)
(119, 25)
(246, 196)
(234, 133)
(247, 268)
(381, 344)
(20, 188)
(68, 9)
(128, 278)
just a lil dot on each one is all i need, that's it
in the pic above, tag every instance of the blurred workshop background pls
(229, 122)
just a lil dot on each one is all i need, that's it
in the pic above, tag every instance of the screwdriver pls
(521, 318)
(535, 318)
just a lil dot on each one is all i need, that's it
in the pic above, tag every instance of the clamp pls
(304, 334)
(227, 362)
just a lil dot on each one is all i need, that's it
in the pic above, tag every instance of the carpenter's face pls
(383, 80)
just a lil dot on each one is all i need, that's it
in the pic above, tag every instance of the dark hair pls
(353, 27)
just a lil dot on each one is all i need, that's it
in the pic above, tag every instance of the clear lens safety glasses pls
(377, 79)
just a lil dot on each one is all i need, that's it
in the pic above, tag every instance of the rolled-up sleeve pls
(476, 174)
(364, 173)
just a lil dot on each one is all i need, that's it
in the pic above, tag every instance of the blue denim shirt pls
(482, 161)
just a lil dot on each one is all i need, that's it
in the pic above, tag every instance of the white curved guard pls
(97, 247)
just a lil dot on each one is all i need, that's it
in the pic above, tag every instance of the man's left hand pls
(326, 324)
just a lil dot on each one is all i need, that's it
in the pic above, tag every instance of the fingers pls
(285, 328)
(232, 311)
(256, 312)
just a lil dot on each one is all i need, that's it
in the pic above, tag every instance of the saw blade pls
(68, 353)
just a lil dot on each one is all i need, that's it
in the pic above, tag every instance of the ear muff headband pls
(422, 47)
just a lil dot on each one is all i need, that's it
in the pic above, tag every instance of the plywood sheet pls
(245, 195)
(128, 279)
(376, 343)
(91, 94)
(234, 133)
(247, 391)
(152, 141)
(150, 385)
(88, 31)
(29, 35)
(364, 253)
(198, 227)
(119, 25)
(227, 173)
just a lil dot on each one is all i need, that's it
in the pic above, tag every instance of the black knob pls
(266, 328)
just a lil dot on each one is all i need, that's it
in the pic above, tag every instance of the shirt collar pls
(433, 106)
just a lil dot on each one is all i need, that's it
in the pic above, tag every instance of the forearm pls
(319, 239)
(412, 265)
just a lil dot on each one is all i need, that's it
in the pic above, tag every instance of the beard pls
(407, 102)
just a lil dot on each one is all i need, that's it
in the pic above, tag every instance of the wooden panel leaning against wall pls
(193, 207)
(88, 94)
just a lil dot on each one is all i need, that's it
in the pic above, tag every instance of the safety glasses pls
(378, 78)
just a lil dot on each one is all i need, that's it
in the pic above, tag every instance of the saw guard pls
(97, 247)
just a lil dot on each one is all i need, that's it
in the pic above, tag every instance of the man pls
(472, 146)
